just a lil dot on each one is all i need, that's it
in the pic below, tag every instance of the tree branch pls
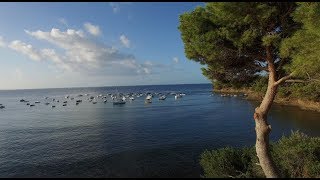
(296, 81)
(283, 79)
(257, 56)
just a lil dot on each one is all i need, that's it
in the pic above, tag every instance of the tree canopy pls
(231, 37)
(304, 46)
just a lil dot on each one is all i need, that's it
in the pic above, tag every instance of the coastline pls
(254, 96)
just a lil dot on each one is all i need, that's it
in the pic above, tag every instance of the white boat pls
(148, 101)
(163, 97)
(177, 96)
(117, 100)
(149, 97)
(131, 98)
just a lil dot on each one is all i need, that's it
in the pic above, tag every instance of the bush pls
(226, 162)
(260, 84)
(298, 156)
(295, 156)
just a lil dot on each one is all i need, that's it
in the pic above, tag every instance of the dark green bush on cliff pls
(219, 163)
(308, 91)
(295, 156)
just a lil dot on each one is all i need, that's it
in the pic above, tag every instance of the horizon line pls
(100, 86)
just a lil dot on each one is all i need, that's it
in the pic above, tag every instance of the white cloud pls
(63, 21)
(2, 43)
(92, 29)
(175, 59)
(125, 41)
(25, 49)
(80, 53)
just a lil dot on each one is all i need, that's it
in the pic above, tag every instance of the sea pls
(164, 138)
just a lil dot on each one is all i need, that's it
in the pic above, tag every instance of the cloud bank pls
(75, 51)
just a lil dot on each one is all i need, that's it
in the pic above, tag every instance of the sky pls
(90, 44)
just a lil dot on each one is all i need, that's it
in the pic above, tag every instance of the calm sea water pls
(160, 139)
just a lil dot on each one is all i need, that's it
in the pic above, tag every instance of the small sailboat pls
(177, 96)
(163, 97)
(148, 99)
(118, 100)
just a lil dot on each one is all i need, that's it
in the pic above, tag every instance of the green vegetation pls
(231, 37)
(229, 40)
(296, 156)
(240, 41)
(304, 91)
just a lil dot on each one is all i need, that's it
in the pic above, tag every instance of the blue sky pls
(48, 45)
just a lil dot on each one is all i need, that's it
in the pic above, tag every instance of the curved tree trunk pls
(262, 127)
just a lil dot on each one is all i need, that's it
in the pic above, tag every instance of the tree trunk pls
(262, 127)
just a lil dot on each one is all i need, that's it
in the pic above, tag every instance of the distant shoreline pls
(105, 86)
(254, 96)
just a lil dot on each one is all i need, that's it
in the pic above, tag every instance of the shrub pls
(295, 156)
(226, 162)
(298, 156)
(260, 84)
